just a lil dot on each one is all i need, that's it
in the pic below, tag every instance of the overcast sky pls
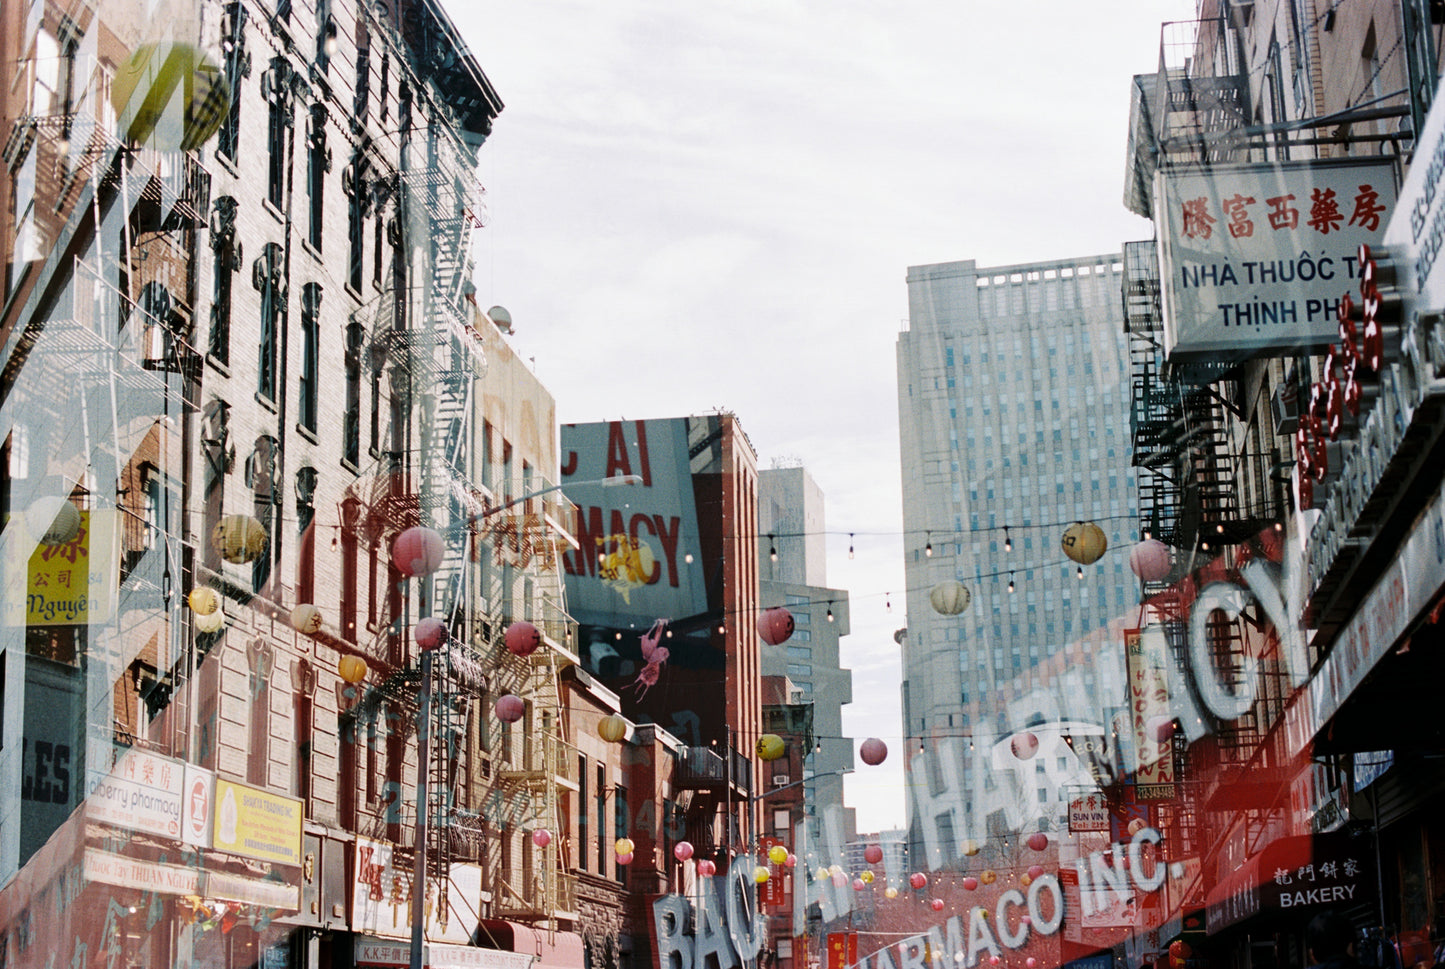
(697, 207)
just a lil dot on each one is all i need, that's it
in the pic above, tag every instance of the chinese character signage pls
(1089, 813)
(143, 792)
(842, 949)
(1304, 874)
(1253, 259)
(1146, 655)
(71, 584)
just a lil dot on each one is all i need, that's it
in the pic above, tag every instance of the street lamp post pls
(423, 728)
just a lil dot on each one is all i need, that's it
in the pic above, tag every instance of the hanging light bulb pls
(772, 549)
(1204, 546)
(887, 602)
(830, 611)
(1008, 543)
(850, 545)
(1081, 572)
(1219, 528)
(1010, 582)
(928, 545)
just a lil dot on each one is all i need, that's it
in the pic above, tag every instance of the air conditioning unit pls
(780, 780)
(1284, 407)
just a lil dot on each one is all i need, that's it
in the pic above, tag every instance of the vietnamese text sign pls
(1253, 259)
(113, 869)
(72, 584)
(257, 824)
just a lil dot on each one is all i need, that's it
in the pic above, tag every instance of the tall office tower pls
(793, 571)
(1013, 391)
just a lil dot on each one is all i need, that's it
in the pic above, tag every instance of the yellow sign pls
(71, 584)
(257, 824)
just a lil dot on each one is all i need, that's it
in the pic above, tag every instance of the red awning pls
(554, 950)
(1300, 873)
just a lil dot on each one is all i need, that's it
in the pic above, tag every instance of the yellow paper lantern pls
(890, 892)
(239, 538)
(1084, 542)
(1025, 880)
(777, 854)
(306, 618)
(770, 747)
(169, 96)
(760, 874)
(352, 669)
(988, 876)
(211, 622)
(624, 846)
(612, 728)
(866, 876)
(970, 847)
(203, 601)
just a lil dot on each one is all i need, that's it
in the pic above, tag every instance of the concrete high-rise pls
(1013, 389)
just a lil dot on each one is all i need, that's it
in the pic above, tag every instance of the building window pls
(318, 163)
(266, 275)
(227, 260)
(276, 87)
(353, 184)
(351, 415)
(306, 479)
(361, 95)
(238, 65)
(310, 356)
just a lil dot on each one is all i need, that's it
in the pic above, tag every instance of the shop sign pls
(197, 799)
(252, 891)
(147, 876)
(380, 892)
(1146, 663)
(257, 824)
(141, 793)
(385, 955)
(1245, 250)
(727, 925)
(1295, 873)
(842, 949)
(1089, 813)
(71, 584)
(771, 892)
(1369, 766)
(471, 957)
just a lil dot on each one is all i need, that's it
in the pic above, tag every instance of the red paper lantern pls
(937, 904)
(418, 551)
(682, 850)
(1038, 841)
(775, 625)
(1035, 871)
(541, 837)
(1150, 560)
(430, 633)
(625, 859)
(1179, 952)
(707, 868)
(872, 854)
(859, 884)
(523, 638)
(970, 883)
(873, 752)
(1025, 745)
(918, 879)
(510, 708)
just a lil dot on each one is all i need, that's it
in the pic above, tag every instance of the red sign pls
(842, 949)
(771, 892)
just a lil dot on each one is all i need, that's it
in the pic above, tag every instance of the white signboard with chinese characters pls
(1254, 259)
(1089, 813)
(143, 792)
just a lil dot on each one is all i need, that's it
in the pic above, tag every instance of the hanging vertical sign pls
(1146, 655)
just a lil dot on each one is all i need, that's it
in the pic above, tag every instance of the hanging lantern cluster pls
(775, 625)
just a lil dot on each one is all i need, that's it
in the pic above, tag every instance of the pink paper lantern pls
(707, 868)
(791, 862)
(1150, 560)
(541, 837)
(970, 883)
(994, 960)
(840, 879)
(937, 904)
(1031, 962)
(510, 708)
(873, 752)
(1038, 841)
(1025, 745)
(775, 625)
(1035, 871)
(430, 633)
(625, 859)
(523, 638)
(872, 854)
(418, 551)
(682, 850)
(859, 884)
(918, 879)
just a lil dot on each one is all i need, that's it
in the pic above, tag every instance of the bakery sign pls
(1295, 874)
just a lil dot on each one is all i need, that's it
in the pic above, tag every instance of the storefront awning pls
(1297, 874)
(375, 953)
(554, 950)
